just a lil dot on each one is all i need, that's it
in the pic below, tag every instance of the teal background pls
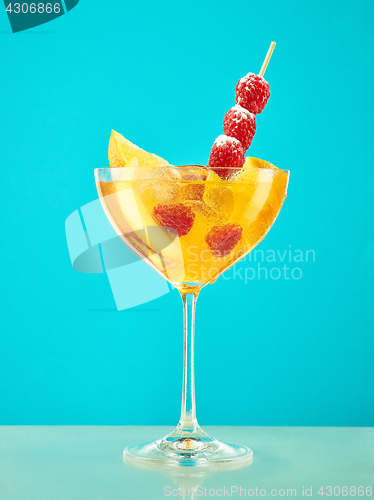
(285, 352)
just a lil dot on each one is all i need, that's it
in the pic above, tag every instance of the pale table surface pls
(85, 463)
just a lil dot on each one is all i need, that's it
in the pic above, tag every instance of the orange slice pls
(257, 163)
(121, 151)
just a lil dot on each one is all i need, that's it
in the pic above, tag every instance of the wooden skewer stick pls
(267, 59)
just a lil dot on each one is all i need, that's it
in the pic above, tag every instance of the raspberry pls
(240, 124)
(252, 93)
(222, 239)
(226, 156)
(175, 216)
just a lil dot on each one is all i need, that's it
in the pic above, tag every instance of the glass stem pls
(188, 422)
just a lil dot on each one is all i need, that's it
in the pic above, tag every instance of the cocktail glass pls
(191, 224)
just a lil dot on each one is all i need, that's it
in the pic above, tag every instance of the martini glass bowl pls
(190, 224)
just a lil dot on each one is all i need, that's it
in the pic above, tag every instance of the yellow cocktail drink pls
(188, 223)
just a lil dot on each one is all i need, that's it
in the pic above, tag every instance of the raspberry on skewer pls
(240, 124)
(226, 156)
(252, 92)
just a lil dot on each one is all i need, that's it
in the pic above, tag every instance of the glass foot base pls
(181, 448)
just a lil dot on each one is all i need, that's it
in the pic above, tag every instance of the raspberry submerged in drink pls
(175, 216)
(223, 239)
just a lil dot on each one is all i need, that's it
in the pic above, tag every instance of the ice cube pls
(219, 198)
(160, 183)
(192, 178)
